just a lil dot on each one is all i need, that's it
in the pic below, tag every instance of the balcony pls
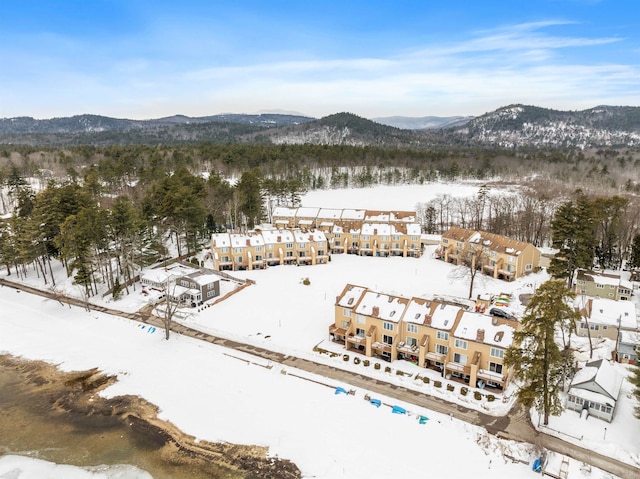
(333, 329)
(381, 348)
(436, 357)
(491, 376)
(356, 340)
(408, 349)
(458, 368)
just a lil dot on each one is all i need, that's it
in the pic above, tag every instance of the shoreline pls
(73, 400)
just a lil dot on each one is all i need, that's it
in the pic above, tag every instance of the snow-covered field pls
(214, 396)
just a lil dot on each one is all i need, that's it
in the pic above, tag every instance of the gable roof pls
(496, 333)
(382, 306)
(350, 296)
(599, 377)
(608, 311)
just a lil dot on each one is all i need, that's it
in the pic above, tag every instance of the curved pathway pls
(515, 426)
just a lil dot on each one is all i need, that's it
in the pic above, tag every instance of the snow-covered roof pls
(337, 229)
(277, 236)
(284, 212)
(305, 222)
(498, 334)
(413, 229)
(329, 213)
(608, 311)
(351, 295)
(240, 240)
(220, 240)
(376, 229)
(377, 216)
(307, 212)
(444, 316)
(204, 278)
(629, 337)
(404, 216)
(417, 310)
(353, 214)
(602, 373)
(389, 308)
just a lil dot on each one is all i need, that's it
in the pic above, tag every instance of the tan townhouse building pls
(284, 217)
(463, 345)
(602, 285)
(306, 217)
(257, 250)
(279, 247)
(477, 350)
(310, 247)
(494, 255)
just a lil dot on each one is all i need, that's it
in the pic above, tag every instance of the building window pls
(460, 358)
(387, 339)
(441, 349)
(288, 245)
(239, 259)
(412, 328)
(529, 267)
(442, 335)
(302, 245)
(237, 250)
(497, 353)
(211, 294)
(411, 342)
(395, 237)
(365, 237)
(360, 332)
(387, 326)
(414, 238)
(224, 250)
(269, 246)
(346, 312)
(354, 236)
(495, 368)
(461, 344)
(600, 286)
(445, 240)
(361, 319)
(258, 248)
(289, 254)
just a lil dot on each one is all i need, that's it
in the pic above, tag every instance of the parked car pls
(501, 313)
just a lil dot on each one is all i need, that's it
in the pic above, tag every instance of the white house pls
(595, 388)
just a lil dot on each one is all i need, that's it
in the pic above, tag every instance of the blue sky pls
(147, 59)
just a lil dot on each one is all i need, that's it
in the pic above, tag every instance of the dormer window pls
(350, 302)
(392, 313)
(417, 316)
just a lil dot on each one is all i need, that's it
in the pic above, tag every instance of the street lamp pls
(605, 434)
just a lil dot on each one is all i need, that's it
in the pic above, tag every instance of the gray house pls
(628, 347)
(196, 288)
(595, 388)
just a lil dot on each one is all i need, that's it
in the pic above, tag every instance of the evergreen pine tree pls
(535, 356)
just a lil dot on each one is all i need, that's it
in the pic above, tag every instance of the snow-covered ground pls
(241, 399)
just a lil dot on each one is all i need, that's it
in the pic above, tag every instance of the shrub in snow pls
(437, 384)
(477, 395)
(366, 363)
(356, 360)
(464, 390)
(306, 282)
(426, 380)
(387, 369)
(345, 357)
(491, 397)
(450, 387)
(376, 366)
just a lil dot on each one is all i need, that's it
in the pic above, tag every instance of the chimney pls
(375, 312)
(480, 335)
(248, 242)
(279, 239)
(375, 231)
(427, 320)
